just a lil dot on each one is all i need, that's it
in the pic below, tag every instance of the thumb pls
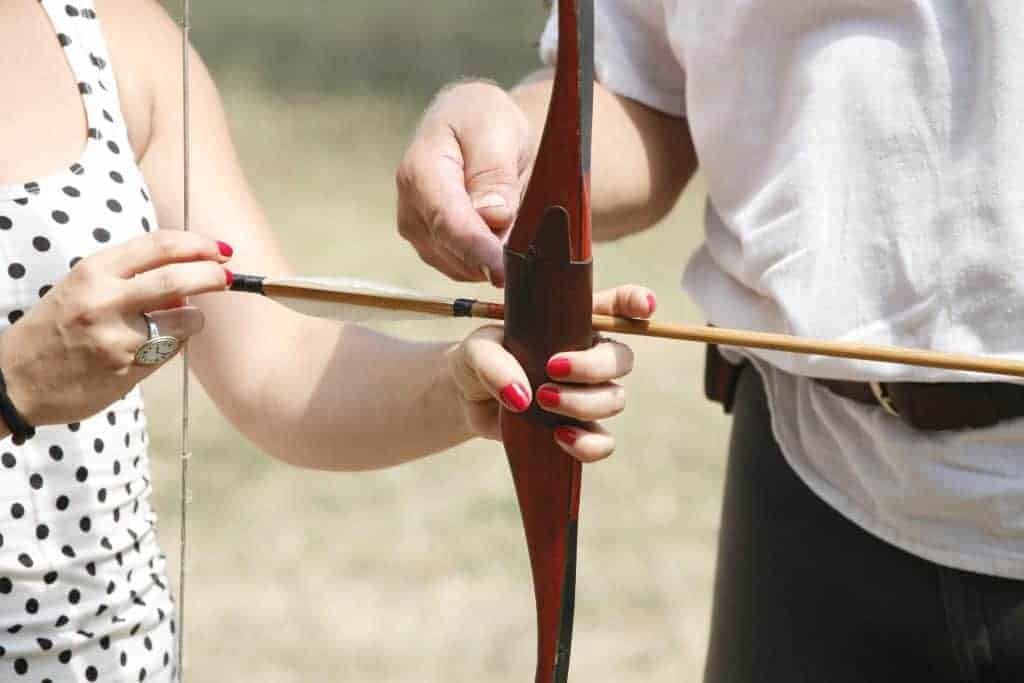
(484, 370)
(493, 164)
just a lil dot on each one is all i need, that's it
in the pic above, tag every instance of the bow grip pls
(548, 305)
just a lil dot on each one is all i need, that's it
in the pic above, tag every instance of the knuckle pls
(84, 317)
(618, 402)
(406, 227)
(112, 351)
(168, 282)
(585, 370)
(495, 177)
(405, 174)
(213, 277)
(84, 276)
(164, 244)
(475, 88)
(467, 255)
(438, 222)
(91, 309)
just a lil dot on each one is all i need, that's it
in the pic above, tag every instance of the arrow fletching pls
(360, 301)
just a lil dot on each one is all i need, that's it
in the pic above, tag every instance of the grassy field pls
(419, 574)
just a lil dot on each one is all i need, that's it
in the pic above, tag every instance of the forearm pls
(642, 159)
(325, 396)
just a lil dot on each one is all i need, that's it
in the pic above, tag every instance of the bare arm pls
(642, 158)
(315, 393)
(310, 392)
(461, 180)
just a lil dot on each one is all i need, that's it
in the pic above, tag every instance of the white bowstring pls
(186, 446)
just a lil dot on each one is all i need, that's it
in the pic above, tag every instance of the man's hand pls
(461, 180)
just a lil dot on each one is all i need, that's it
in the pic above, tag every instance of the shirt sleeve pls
(633, 53)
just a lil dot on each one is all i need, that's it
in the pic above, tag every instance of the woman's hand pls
(74, 352)
(582, 388)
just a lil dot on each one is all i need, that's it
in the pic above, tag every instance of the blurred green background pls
(420, 573)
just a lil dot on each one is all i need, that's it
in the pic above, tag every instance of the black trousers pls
(803, 594)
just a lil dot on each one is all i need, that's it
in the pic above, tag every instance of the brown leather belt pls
(941, 406)
(928, 407)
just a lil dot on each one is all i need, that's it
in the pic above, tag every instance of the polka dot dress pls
(83, 593)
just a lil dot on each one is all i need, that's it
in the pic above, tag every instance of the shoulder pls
(144, 43)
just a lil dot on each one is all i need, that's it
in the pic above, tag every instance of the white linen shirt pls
(865, 169)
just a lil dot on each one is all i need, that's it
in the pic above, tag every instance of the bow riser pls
(561, 172)
(548, 303)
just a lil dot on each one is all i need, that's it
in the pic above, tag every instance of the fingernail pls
(559, 367)
(549, 397)
(567, 435)
(486, 271)
(225, 249)
(652, 303)
(490, 201)
(515, 398)
(229, 277)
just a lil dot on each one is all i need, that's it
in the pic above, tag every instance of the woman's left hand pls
(582, 385)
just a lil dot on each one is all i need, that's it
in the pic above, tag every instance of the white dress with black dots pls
(83, 593)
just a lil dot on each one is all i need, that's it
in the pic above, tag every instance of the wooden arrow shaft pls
(647, 328)
(792, 344)
(818, 347)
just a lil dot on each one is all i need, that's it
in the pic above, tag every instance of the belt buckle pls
(883, 398)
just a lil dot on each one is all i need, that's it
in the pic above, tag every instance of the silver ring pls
(158, 348)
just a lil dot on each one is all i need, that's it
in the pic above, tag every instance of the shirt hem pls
(979, 563)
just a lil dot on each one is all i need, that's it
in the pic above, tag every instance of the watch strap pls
(21, 429)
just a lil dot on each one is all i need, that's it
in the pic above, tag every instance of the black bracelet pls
(21, 430)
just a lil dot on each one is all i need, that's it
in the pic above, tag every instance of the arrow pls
(354, 300)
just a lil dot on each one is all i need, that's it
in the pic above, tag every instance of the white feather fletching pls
(345, 312)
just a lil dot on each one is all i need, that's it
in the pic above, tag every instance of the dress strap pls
(80, 34)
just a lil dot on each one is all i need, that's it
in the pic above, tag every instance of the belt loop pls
(883, 398)
(720, 378)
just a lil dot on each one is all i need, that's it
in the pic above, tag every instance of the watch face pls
(156, 351)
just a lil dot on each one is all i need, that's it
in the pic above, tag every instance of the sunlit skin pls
(463, 175)
(71, 354)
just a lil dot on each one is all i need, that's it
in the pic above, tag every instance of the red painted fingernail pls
(559, 367)
(515, 398)
(225, 249)
(229, 277)
(652, 303)
(567, 435)
(549, 397)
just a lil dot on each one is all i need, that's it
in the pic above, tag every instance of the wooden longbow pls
(548, 302)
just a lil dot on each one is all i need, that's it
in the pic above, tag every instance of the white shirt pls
(865, 169)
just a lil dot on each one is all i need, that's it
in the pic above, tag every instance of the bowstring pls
(186, 446)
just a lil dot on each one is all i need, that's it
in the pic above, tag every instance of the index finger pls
(146, 252)
(457, 227)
